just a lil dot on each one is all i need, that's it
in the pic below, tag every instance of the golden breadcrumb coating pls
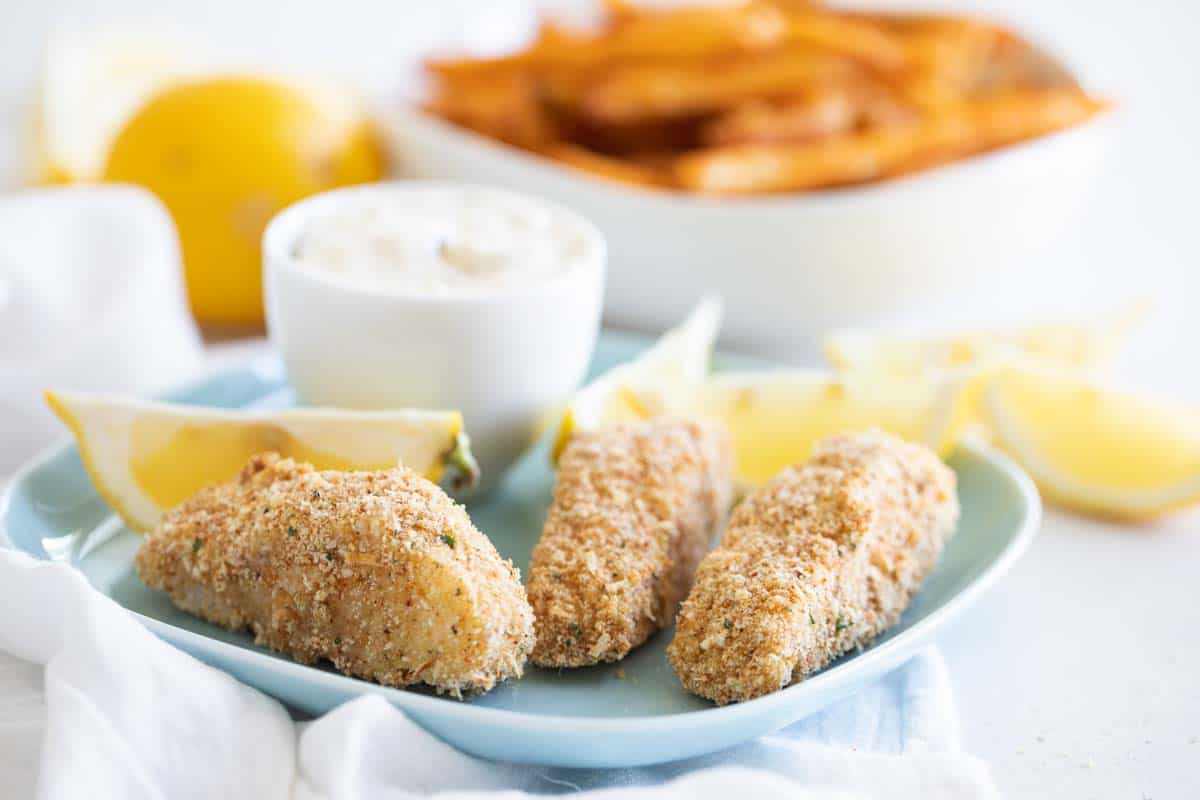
(635, 508)
(814, 564)
(379, 572)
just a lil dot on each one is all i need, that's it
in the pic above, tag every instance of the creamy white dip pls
(442, 242)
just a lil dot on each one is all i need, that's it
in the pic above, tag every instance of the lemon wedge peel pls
(775, 417)
(92, 82)
(130, 448)
(139, 105)
(62, 410)
(1082, 345)
(280, 142)
(1118, 455)
(971, 358)
(658, 381)
(937, 394)
(460, 468)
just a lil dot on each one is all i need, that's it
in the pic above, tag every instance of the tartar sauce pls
(442, 242)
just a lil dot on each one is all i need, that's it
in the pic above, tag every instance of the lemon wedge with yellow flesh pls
(146, 457)
(1093, 449)
(224, 155)
(92, 83)
(1081, 345)
(660, 380)
(223, 150)
(775, 417)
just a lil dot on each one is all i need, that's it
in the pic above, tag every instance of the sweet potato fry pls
(944, 58)
(652, 35)
(763, 168)
(701, 31)
(638, 92)
(1015, 65)
(1018, 115)
(614, 169)
(802, 118)
(971, 127)
(618, 12)
(506, 109)
(808, 116)
(862, 40)
(763, 96)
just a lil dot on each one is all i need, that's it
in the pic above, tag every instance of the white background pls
(1137, 236)
(1078, 676)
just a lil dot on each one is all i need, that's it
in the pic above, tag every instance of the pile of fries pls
(766, 96)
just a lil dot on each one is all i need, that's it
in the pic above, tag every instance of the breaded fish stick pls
(379, 572)
(817, 562)
(635, 508)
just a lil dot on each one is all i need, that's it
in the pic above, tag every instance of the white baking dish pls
(791, 266)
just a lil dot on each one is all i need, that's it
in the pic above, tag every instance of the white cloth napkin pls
(91, 297)
(129, 716)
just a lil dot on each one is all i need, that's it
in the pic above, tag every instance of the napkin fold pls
(129, 716)
(91, 298)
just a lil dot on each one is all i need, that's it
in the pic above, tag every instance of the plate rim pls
(874, 661)
(877, 660)
(886, 655)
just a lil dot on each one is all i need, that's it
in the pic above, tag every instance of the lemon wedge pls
(775, 417)
(1081, 345)
(224, 154)
(1096, 450)
(224, 150)
(660, 380)
(146, 457)
(92, 83)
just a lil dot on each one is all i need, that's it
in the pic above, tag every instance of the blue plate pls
(621, 715)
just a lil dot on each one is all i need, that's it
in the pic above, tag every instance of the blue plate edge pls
(869, 664)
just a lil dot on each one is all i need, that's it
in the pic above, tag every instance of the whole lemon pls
(224, 155)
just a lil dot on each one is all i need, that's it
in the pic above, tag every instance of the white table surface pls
(1077, 675)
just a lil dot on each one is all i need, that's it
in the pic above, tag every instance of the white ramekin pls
(505, 359)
